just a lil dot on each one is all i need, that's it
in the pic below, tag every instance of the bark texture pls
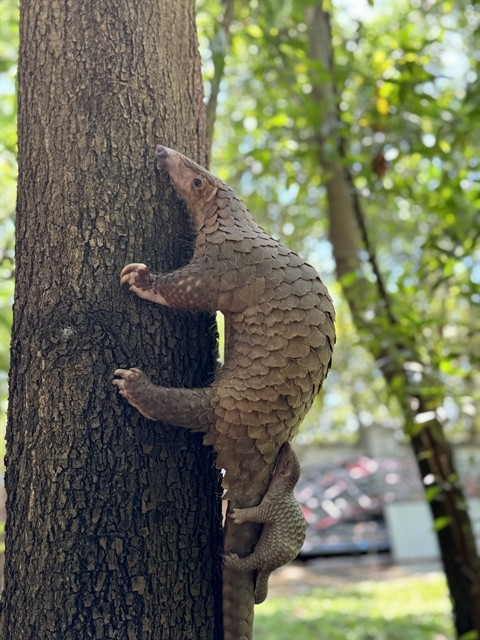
(109, 517)
(396, 355)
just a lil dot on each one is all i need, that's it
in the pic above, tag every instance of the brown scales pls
(279, 337)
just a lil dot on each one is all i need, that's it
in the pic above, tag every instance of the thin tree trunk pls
(396, 356)
(219, 46)
(113, 525)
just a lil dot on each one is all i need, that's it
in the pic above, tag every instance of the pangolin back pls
(279, 330)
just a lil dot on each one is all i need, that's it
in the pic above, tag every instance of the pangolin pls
(284, 526)
(279, 337)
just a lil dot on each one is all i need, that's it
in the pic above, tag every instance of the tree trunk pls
(396, 354)
(113, 522)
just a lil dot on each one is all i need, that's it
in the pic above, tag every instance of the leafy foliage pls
(8, 172)
(407, 101)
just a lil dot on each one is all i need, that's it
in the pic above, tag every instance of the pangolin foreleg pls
(190, 408)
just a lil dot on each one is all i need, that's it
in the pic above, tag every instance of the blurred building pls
(369, 498)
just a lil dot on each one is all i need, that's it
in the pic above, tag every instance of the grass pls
(413, 608)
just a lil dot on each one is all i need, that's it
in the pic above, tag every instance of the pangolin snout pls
(161, 151)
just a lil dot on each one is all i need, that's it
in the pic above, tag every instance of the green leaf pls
(441, 523)
(432, 492)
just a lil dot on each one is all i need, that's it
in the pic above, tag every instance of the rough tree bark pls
(109, 517)
(396, 356)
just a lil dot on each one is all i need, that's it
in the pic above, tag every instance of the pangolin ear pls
(213, 192)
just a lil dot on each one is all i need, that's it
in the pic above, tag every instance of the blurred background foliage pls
(409, 98)
(8, 174)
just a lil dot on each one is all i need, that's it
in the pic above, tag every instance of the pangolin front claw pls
(133, 386)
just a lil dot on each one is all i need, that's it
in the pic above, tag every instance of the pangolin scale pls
(279, 337)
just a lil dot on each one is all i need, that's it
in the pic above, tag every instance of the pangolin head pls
(194, 184)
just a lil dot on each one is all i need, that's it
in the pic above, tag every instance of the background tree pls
(374, 310)
(109, 517)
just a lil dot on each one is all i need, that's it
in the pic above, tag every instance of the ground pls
(299, 578)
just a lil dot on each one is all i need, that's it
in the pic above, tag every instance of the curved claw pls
(229, 558)
(139, 280)
(236, 516)
(124, 377)
(133, 384)
(132, 273)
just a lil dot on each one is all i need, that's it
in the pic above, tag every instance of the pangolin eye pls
(197, 182)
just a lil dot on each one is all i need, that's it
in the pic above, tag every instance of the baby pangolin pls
(284, 526)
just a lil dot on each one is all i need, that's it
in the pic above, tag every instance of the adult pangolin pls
(279, 337)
